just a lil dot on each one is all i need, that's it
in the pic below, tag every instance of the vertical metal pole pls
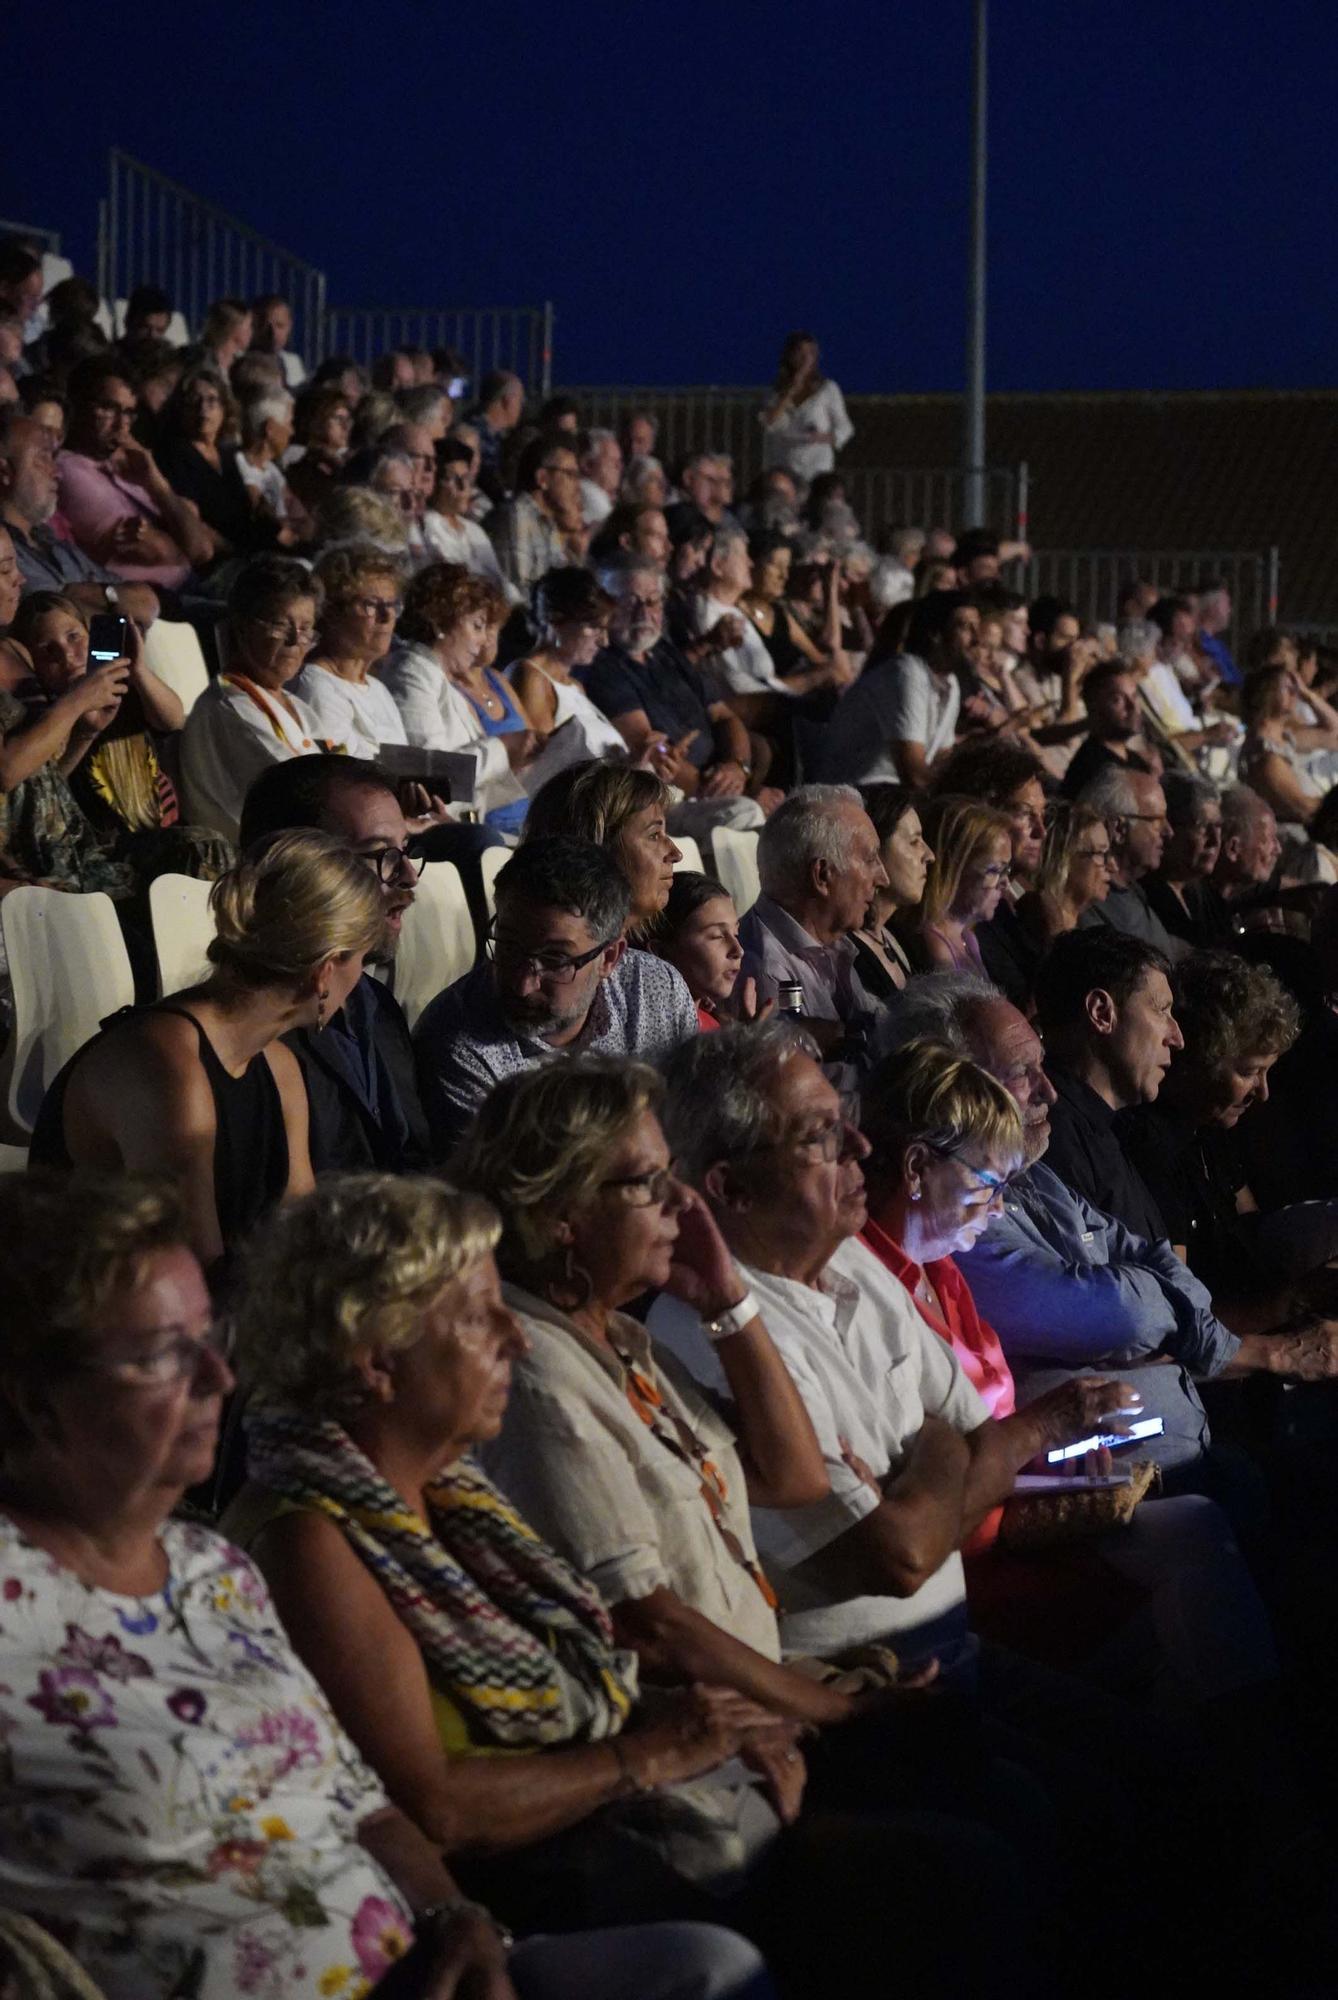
(547, 359)
(1023, 501)
(973, 456)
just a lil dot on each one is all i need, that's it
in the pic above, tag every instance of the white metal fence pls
(519, 338)
(1094, 580)
(31, 232)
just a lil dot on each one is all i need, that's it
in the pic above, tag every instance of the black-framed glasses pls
(649, 1190)
(393, 862)
(828, 1141)
(1091, 854)
(288, 631)
(552, 967)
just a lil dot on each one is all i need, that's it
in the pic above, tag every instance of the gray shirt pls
(778, 949)
(893, 701)
(1070, 1291)
(465, 1044)
(1130, 912)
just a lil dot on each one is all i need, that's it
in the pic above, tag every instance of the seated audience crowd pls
(769, 1431)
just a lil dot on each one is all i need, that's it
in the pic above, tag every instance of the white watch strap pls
(733, 1321)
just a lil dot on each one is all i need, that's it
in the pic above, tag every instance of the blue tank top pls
(508, 818)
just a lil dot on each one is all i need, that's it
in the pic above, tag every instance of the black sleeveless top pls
(786, 655)
(250, 1139)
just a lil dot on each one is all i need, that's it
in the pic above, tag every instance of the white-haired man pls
(601, 475)
(819, 861)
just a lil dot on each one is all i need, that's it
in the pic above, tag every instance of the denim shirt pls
(1071, 1291)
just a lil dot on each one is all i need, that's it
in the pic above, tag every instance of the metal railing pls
(153, 231)
(518, 338)
(1094, 580)
(727, 420)
(31, 233)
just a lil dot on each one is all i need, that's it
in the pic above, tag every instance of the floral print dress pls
(177, 1802)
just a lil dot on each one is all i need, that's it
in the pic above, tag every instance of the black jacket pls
(349, 1132)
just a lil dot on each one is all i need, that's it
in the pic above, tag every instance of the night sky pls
(688, 182)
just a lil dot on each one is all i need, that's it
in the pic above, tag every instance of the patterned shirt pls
(526, 543)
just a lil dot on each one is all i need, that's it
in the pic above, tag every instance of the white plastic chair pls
(173, 651)
(735, 852)
(689, 854)
(437, 942)
(69, 969)
(491, 863)
(182, 927)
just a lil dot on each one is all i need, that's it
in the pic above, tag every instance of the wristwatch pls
(733, 1320)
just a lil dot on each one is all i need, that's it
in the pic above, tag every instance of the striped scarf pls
(501, 1621)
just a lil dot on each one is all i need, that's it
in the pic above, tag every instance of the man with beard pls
(559, 979)
(362, 1088)
(1110, 695)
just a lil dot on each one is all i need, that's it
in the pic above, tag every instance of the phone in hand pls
(1146, 1427)
(108, 638)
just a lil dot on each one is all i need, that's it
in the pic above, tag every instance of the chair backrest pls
(436, 945)
(689, 854)
(13, 1159)
(491, 863)
(182, 927)
(69, 969)
(174, 653)
(735, 852)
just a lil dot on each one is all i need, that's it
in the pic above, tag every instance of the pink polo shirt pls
(93, 498)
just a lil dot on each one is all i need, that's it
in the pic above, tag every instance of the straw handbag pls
(1077, 1513)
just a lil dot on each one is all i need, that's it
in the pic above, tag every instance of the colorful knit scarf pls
(501, 1621)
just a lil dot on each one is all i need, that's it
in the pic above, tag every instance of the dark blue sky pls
(687, 182)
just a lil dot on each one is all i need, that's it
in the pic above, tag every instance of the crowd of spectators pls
(640, 1456)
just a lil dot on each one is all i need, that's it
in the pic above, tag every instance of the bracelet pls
(733, 1319)
(443, 1914)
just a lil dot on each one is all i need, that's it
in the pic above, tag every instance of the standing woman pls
(880, 958)
(246, 719)
(361, 590)
(805, 422)
(1074, 873)
(201, 1086)
(572, 613)
(623, 810)
(973, 858)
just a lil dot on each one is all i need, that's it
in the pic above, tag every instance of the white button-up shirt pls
(870, 1371)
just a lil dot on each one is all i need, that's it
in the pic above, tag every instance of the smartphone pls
(108, 638)
(1146, 1427)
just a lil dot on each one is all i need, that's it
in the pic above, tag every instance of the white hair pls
(807, 826)
(275, 406)
(935, 1007)
(1113, 792)
(619, 569)
(719, 1102)
(595, 442)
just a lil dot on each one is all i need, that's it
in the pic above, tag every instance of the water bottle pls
(790, 999)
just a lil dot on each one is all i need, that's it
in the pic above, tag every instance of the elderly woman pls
(973, 859)
(266, 433)
(180, 1803)
(880, 958)
(619, 808)
(447, 699)
(623, 1465)
(377, 1351)
(945, 1139)
(361, 596)
(572, 614)
(247, 719)
(1237, 1019)
(1194, 810)
(114, 773)
(1074, 873)
(201, 1085)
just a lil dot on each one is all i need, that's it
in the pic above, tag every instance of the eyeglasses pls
(285, 629)
(549, 966)
(380, 608)
(998, 1184)
(1091, 854)
(177, 1359)
(648, 1190)
(996, 871)
(1160, 817)
(827, 1142)
(117, 410)
(392, 862)
(423, 458)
